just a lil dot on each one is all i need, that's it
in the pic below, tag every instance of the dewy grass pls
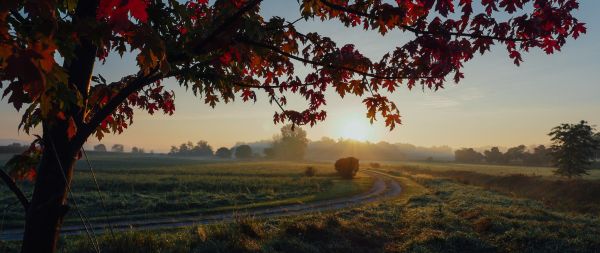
(145, 186)
(496, 170)
(578, 195)
(439, 215)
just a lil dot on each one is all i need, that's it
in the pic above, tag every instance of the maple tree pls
(226, 50)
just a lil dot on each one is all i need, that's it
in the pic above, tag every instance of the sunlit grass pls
(490, 169)
(436, 215)
(145, 186)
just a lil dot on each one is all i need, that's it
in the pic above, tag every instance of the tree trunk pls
(48, 206)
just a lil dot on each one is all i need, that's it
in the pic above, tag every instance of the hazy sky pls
(496, 104)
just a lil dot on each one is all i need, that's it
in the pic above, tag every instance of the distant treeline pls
(519, 155)
(327, 149)
(13, 148)
(201, 148)
(119, 148)
(330, 149)
(575, 148)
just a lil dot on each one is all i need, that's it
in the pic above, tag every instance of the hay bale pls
(347, 167)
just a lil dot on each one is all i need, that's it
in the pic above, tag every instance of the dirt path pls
(383, 187)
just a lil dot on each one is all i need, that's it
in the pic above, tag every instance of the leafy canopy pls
(228, 50)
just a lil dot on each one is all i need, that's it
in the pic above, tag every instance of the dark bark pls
(48, 205)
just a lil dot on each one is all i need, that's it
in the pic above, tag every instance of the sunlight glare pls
(356, 129)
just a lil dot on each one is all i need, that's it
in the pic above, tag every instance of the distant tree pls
(185, 148)
(539, 157)
(243, 152)
(174, 150)
(223, 152)
(291, 144)
(494, 155)
(573, 148)
(189, 149)
(117, 148)
(100, 148)
(515, 154)
(14, 145)
(202, 149)
(137, 150)
(13, 148)
(468, 155)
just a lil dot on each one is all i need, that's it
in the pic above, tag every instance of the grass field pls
(497, 170)
(580, 195)
(141, 187)
(441, 209)
(433, 215)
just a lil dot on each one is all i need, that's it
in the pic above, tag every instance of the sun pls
(356, 129)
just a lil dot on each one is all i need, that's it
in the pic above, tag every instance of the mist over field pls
(306, 126)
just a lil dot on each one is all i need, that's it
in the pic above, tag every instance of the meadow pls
(433, 214)
(152, 186)
(579, 194)
(441, 209)
(491, 169)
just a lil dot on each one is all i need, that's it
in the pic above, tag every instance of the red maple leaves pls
(116, 12)
(228, 50)
(23, 166)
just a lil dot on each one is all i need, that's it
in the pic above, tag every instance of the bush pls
(375, 165)
(310, 171)
(347, 167)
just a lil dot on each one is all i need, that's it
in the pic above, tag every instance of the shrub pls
(347, 167)
(310, 171)
(375, 165)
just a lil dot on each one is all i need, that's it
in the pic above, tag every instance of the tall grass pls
(578, 195)
(440, 215)
(141, 187)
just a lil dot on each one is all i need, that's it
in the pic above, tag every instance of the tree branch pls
(137, 83)
(322, 64)
(226, 24)
(15, 189)
(415, 30)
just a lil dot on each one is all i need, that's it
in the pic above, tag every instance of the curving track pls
(384, 187)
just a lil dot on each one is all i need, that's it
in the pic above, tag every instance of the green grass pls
(433, 214)
(497, 170)
(437, 215)
(575, 195)
(142, 187)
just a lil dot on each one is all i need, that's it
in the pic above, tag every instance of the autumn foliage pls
(227, 50)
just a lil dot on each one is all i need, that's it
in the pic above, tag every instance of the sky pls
(497, 103)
